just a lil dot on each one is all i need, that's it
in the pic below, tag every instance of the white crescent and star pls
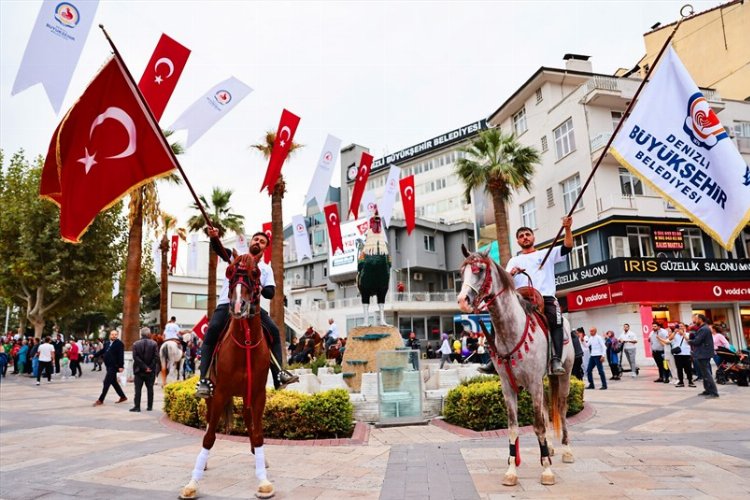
(119, 115)
(333, 218)
(409, 192)
(363, 172)
(170, 65)
(288, 131)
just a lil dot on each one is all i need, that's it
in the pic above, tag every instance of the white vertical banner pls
(192, 263)
(242, 246)
(323, 172)
(210, 108)
(55, 45)
(385, 207)
(301, 239)
(368, 205)
(156, 254)
(115, 288)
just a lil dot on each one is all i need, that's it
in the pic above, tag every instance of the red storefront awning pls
(659, 292)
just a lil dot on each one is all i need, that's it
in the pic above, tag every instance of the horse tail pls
(164, 353)
(554, 411)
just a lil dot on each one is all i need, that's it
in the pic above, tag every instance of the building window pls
(519, 122)
(639, 241)
(571, 187)
(616, 117)
(550, 198)
(742, 129)
(189, 300)
(693, 240)
(630, 185)
(528, 214)
(539, 95)
(429, 243)
(565, 142)
(579, 255)
(544, 144)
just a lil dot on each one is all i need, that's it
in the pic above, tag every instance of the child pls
(65, 366)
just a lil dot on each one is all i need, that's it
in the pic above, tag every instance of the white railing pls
(600, 140)
(393, 299)
(743, 144)
(602, 83)
(615, 202)
(296, 282)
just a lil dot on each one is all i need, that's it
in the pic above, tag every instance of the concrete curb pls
(360, 435)
(582, 416)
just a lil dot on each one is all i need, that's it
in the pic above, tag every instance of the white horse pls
(172, 357)
(520, 357)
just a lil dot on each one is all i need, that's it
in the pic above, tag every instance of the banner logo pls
(67, 14)
(702, 124)
(223, 97)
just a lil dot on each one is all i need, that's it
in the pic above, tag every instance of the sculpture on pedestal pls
(374, 268)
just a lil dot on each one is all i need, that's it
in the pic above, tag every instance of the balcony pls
(400, 301)
(615, 202)
(605, 91)
(296, 283)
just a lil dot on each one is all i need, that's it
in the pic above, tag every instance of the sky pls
(384, 75)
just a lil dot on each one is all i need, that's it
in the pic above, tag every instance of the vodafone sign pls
(659, 292)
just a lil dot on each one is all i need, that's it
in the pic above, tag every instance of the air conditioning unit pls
(418, 277)
(618, 247)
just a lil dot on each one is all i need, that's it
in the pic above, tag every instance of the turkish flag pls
(161, 74)
(173, 256)
(365, 164)
(407, 198)
(105, 146)
(284, 137)
(269, 232)
(334, 227)
(201, 328)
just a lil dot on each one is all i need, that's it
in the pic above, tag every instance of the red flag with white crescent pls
(363, 173)
(284, 137)
(161, 74)
(269, 233)
(106, 145)
(201, 328)
(407, 198)
(173, 255)
(334, 227)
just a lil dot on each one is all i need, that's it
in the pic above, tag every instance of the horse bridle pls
(239, 275)
(482, 296)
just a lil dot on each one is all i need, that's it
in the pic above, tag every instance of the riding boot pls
(557, 348)
(488, 369)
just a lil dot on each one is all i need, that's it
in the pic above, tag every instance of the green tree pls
(277, 228)
(143, 209)
(223, 219)
(502, 165)
(49, 277)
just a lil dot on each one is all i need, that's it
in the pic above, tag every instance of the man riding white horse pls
(525, 270)
(220, 318)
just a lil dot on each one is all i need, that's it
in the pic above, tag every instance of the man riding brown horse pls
(526, 272)
(220, 318)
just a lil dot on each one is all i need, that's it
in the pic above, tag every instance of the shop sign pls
(668, 239)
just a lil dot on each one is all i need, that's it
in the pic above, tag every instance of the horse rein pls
(483, 298)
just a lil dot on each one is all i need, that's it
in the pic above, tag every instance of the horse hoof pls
(265, 489)
(551, 450)
(510, 480)
(548, 478)
(190, 490)
(568, 458)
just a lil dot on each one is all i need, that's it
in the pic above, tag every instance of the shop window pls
(528, 214)
(639, 241)
(693, 240)
(579, 255)
(630, 185)
(565, 142)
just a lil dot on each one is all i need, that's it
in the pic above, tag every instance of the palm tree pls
(277, 228)
(502, 165)
(143, 208)
(222, 219)
(168, 222)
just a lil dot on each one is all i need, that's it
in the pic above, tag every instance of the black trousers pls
(219, 321)
(44, 366)
(110, 379)
(684, 365)
(75, 366)
(554, 320)
(708, 380)
(659, 360)
(578, 368)
(144, 378)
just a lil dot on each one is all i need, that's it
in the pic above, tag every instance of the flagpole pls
(161, 135)
(614, 134)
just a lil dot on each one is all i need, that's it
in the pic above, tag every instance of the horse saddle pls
(535, 299)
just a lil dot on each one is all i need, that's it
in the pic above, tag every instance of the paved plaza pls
(642, 440)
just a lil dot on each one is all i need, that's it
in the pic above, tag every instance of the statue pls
(374, 268)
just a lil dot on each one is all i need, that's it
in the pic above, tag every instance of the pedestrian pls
(114, 362)
(579, 353)
(598, 351)
(612, 356)
(74, 355)
(34, 358)
(413, 343)
(145, 366)
(46, 355)
(681, 351)
(445, 350)
(630, 343)
(23, 354)
(703, 344)
(400, 289)
(331, 335)
(58, 343)
(586, 350)
(657, 350)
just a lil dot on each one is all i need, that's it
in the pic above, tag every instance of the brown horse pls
(242, 344)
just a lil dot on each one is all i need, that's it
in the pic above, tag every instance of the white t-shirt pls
(334, 331)
(629, 336)
(598, 347)
(266, 279)
(171, 331)
(542, 279)
(45, 352)
(682, 343)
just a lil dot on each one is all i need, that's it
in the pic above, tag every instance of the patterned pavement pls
(643, 440)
